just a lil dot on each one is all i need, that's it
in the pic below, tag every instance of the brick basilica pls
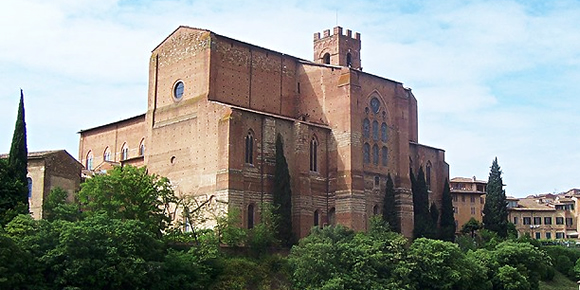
(216, 105)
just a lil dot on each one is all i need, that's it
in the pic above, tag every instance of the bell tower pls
(337, 49)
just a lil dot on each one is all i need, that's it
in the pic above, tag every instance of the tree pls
(495, 214)
(424, 226)
(389, 206)
(282, 196)
(11, 189)
(56, 207)
(127, 193)
(447, 220)
(18, 156)
(471, 227)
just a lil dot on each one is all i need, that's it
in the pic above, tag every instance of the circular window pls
(178, 90)
(375, 105)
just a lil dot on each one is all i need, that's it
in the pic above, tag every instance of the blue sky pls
(492, 78)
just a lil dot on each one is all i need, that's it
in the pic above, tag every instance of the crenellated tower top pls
(338, 49)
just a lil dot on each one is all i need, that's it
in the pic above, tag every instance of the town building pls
(468, 195)
(48, 170)
(216, 106)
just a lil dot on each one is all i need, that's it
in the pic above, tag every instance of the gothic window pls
(124, 152)
(428, 175)
(375, 130)
(313, 154)
(384, 132)
(385, 156)
(249, 157)
(366, 128)
(332, 216)
(29, 181)
(375, 154)
(107, 154)
(376, 209)
(89, 161)
(326, 58)
(142, 147)
(316, 218)
(251, 216)
(375, 105)
(366, 153)
(348, 59)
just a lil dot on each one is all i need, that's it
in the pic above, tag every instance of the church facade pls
(216, 106)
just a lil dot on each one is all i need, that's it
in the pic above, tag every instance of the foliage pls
(129, 193)
(337, 258)
(424, 225)
(564, 259)
(471, 226)
(282, 196)
(16, 265)
(56, 207)
(495, 214)
(18, 158)
(389, 206)
(263, 235)
(11, 190)
(229, 231)
(447, 219)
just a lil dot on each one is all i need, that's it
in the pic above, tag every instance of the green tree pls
(128, 193)
(447, 221)
(18, 156)
(495, 214)
(471, 226)
(282, 196)
(56, 207)
(389, 206)
(11, 189)
(424, 226)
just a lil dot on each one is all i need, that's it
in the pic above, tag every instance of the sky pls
(492, 78)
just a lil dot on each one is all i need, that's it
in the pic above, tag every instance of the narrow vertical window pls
(89, 161)
(249, 148)
(385, 156)
(376, 209)
(29, 180)
(384, 132)
(124, 152)
(313, 154)
(366, 128)
(142, 147)
(375, 154)
(332, 216)
(251, 216)
(107, 154)
(375, 130)
(428, 175)
(366, 153)
(316, 218)
(348, 59)
(326, 58)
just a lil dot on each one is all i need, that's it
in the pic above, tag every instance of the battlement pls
(336, 31)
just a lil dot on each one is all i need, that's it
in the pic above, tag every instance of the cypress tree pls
(447, 220)
(422, 217)
(18, 156)
(495, 214)
(389, 208)
(282, 197)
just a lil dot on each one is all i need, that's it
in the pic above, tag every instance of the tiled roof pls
(467, 179)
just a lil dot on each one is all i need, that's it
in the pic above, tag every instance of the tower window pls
(313, 154)
(249, 148)
(348, 60)
(326, 58)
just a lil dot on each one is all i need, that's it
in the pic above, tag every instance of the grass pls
(560, 282)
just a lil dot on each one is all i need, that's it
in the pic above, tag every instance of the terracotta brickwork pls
(216, 106)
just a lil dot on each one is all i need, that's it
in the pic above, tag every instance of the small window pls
(142, 147)
(367, 153)
(107, 154)
(29, 180)
(537, 220)
(366, 128)
(375, 130)
(472, 199)
(313, 154)
(384, 132)
(348, 59)
(249, 156)
(548, 236)
(375, 105)
(559, 220)
(326, 58)
(124, 152)
(89, 161)
(569, 221)
(332, 216)
(178, 89)
(548, 220)
(316, 218)
(251, 216)
(375, 154)
(538, 236)
(559, 235)
(376, 209)
(527, 220)
(428, 175)
(472, 210)
(515, 220)
(385, 156)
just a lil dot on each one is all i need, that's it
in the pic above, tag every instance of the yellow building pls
(468, 196)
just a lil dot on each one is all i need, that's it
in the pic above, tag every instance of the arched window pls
(348, 59)
(366, 128)
(107, 154)
(313, 154)
(366, 153)
(124, 151)
(251, 216)
(326, 58)
(249, 148)
(376, 209)
(428, 175)
(29, 181)
(332, 216)
(385, 156)
(89, 160)
(375, 130)
(316, 218)
(142, 147)
(375, 154)
(384, 132)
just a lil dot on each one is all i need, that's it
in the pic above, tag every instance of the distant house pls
(48, 170)
(468, 196)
